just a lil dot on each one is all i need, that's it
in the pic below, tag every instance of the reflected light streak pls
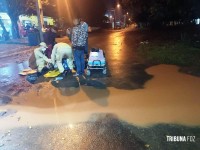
(67, 8)
(69, 11)
(56, 110)
(116, 46)
(71, 126)
(59, 8)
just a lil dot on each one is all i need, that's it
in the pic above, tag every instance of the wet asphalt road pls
(101, 131)
(124, 69)
(124, 72)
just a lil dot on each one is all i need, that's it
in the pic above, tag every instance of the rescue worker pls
(59, 52)
(41, 58)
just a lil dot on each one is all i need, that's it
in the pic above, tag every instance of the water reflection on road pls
(169, 97)
(116, 47)
(9, 76)
(165, 99)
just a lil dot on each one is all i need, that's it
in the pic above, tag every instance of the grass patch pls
(178, 53)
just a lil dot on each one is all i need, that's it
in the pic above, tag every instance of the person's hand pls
(50, 66)
(68, 31)
(55, 66)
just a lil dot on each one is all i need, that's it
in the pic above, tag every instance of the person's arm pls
(74, 37)
(86, 26)
(70, 58)
(53, 54)
(68, 32)
(41, 55)
(84, 36)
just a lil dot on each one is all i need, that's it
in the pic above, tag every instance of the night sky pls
(90, 10)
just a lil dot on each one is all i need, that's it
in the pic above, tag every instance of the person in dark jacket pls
(50, 39)
(52, 36)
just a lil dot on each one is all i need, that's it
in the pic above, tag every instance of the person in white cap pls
(59, 52)
(41, 58)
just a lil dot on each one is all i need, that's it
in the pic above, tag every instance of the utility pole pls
(113, 10)
(40, 18)
(125, 21)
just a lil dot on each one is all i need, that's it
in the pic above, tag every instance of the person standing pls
(52, 36)
(78, 39)
(84, 25)
(51, 41)
(59, 52)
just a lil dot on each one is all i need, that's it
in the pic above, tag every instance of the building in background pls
(32, 20)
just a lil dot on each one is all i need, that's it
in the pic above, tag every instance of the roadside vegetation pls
(171, 46)
(176, 53)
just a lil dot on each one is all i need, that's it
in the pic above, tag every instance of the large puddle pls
(170, 97)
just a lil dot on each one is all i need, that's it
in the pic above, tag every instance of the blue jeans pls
(79, 61)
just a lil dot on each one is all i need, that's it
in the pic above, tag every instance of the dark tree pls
(91, 11)
(161, 12)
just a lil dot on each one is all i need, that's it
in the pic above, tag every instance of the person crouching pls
(59, 52)
(41, 58)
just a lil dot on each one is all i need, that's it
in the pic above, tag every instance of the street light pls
(111, 18)
(127, 13)
(114, 18)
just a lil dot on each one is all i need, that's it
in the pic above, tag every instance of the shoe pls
(76, 75)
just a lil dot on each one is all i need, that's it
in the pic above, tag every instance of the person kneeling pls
(41, 59)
